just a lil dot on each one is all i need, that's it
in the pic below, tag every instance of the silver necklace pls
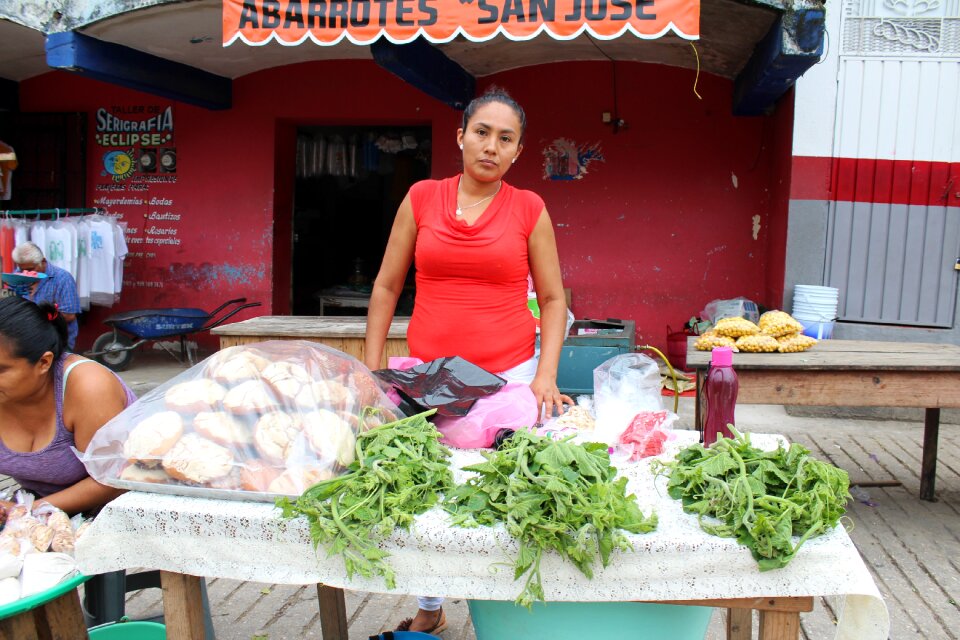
(479, 202)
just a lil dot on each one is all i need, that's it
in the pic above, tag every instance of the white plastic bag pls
(624, 386)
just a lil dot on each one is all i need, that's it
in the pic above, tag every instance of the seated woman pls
(42, 416)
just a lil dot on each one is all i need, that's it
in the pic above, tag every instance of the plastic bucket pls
(677, 349)
(499, 619)
(135, 630)
(819, 329)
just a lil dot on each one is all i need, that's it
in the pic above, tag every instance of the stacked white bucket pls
(816, 309)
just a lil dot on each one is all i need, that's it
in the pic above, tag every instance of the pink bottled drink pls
(720, 395)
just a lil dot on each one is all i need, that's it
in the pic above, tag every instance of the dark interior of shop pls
(349, 183)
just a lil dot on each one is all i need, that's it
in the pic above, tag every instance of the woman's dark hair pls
(30, 330)
(495, 94)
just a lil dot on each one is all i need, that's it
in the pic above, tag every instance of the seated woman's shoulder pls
(89, 377)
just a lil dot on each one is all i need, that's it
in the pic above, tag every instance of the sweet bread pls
(194, 396)
(229, 482)
(295, 481)
(275, 434)
(330, 436)
(197, 460)
(252, 396)
(222, 428)
(287, 379)
(138, 473)
(153, 437)
(325, 394)
(368, 390)
(255, 475)
(237, 367)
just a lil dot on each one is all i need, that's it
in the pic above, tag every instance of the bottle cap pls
(721, 357)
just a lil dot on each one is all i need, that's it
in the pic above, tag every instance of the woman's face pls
(18, 377)
(490, 142)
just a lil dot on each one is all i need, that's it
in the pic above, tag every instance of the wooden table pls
(852, 373)
(345, 333)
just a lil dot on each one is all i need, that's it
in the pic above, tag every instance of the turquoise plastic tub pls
(503, 620)
(133, 630)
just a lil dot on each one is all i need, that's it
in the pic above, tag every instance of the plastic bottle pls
(720, 395)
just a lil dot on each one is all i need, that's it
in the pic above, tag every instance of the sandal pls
(438, 626)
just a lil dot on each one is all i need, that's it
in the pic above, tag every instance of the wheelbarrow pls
(131, 329)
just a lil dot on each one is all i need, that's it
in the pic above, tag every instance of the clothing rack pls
(58, 212)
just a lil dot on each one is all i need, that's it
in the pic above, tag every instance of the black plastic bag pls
(450, 385)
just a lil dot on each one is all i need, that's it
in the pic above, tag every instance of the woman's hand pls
(548, 397)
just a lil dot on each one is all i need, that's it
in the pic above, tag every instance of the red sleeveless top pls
(471, 298)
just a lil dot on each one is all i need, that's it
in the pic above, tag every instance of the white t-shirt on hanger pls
(101, 251)
(83, 264)
(120, 252)
(38, 235)
(58, 247)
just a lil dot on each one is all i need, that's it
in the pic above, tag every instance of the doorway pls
(349, 183)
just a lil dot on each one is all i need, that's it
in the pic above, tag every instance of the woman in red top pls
(474, 239)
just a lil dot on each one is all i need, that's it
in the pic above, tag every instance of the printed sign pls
(136, 183)
(327, 22)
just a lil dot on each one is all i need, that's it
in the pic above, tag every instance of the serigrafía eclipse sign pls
(327, 22)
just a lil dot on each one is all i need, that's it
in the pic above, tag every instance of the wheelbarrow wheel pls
(116, 352)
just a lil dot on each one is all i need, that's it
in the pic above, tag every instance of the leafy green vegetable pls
(550, 495)
(399, 472)
(761, 498)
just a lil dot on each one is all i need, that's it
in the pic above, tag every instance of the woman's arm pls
(93, 397)
(545, 267)
(389, 283)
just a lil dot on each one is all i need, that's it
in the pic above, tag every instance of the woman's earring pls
(461, 147)
(512, 161)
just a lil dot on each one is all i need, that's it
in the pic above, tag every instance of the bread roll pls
(63, 541)
(197, 460)
(274, 435)
(325, 394)
(138, 473)
(256, 475)
(153, 437)
(330, 436)
(194, 396)
(237, 367)
(367, 389)
(249, 397)
(222, 428)
(287, 379)
(229, 482)
(295, 481)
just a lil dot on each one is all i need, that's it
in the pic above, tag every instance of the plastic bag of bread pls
(250, 422)
(735, 327)
(779, 323)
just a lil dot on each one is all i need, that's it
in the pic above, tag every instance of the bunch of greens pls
(399, 472)
(550, 495)
(761, 498)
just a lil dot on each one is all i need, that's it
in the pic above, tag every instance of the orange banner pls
(327, 22)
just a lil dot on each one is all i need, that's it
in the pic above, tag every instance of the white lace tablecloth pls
(678, 561)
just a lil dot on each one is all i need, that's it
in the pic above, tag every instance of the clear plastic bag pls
(271, 418)
(733, 308)
(647, 433)
(624, 386)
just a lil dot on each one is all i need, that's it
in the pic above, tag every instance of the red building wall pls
(658, 228)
